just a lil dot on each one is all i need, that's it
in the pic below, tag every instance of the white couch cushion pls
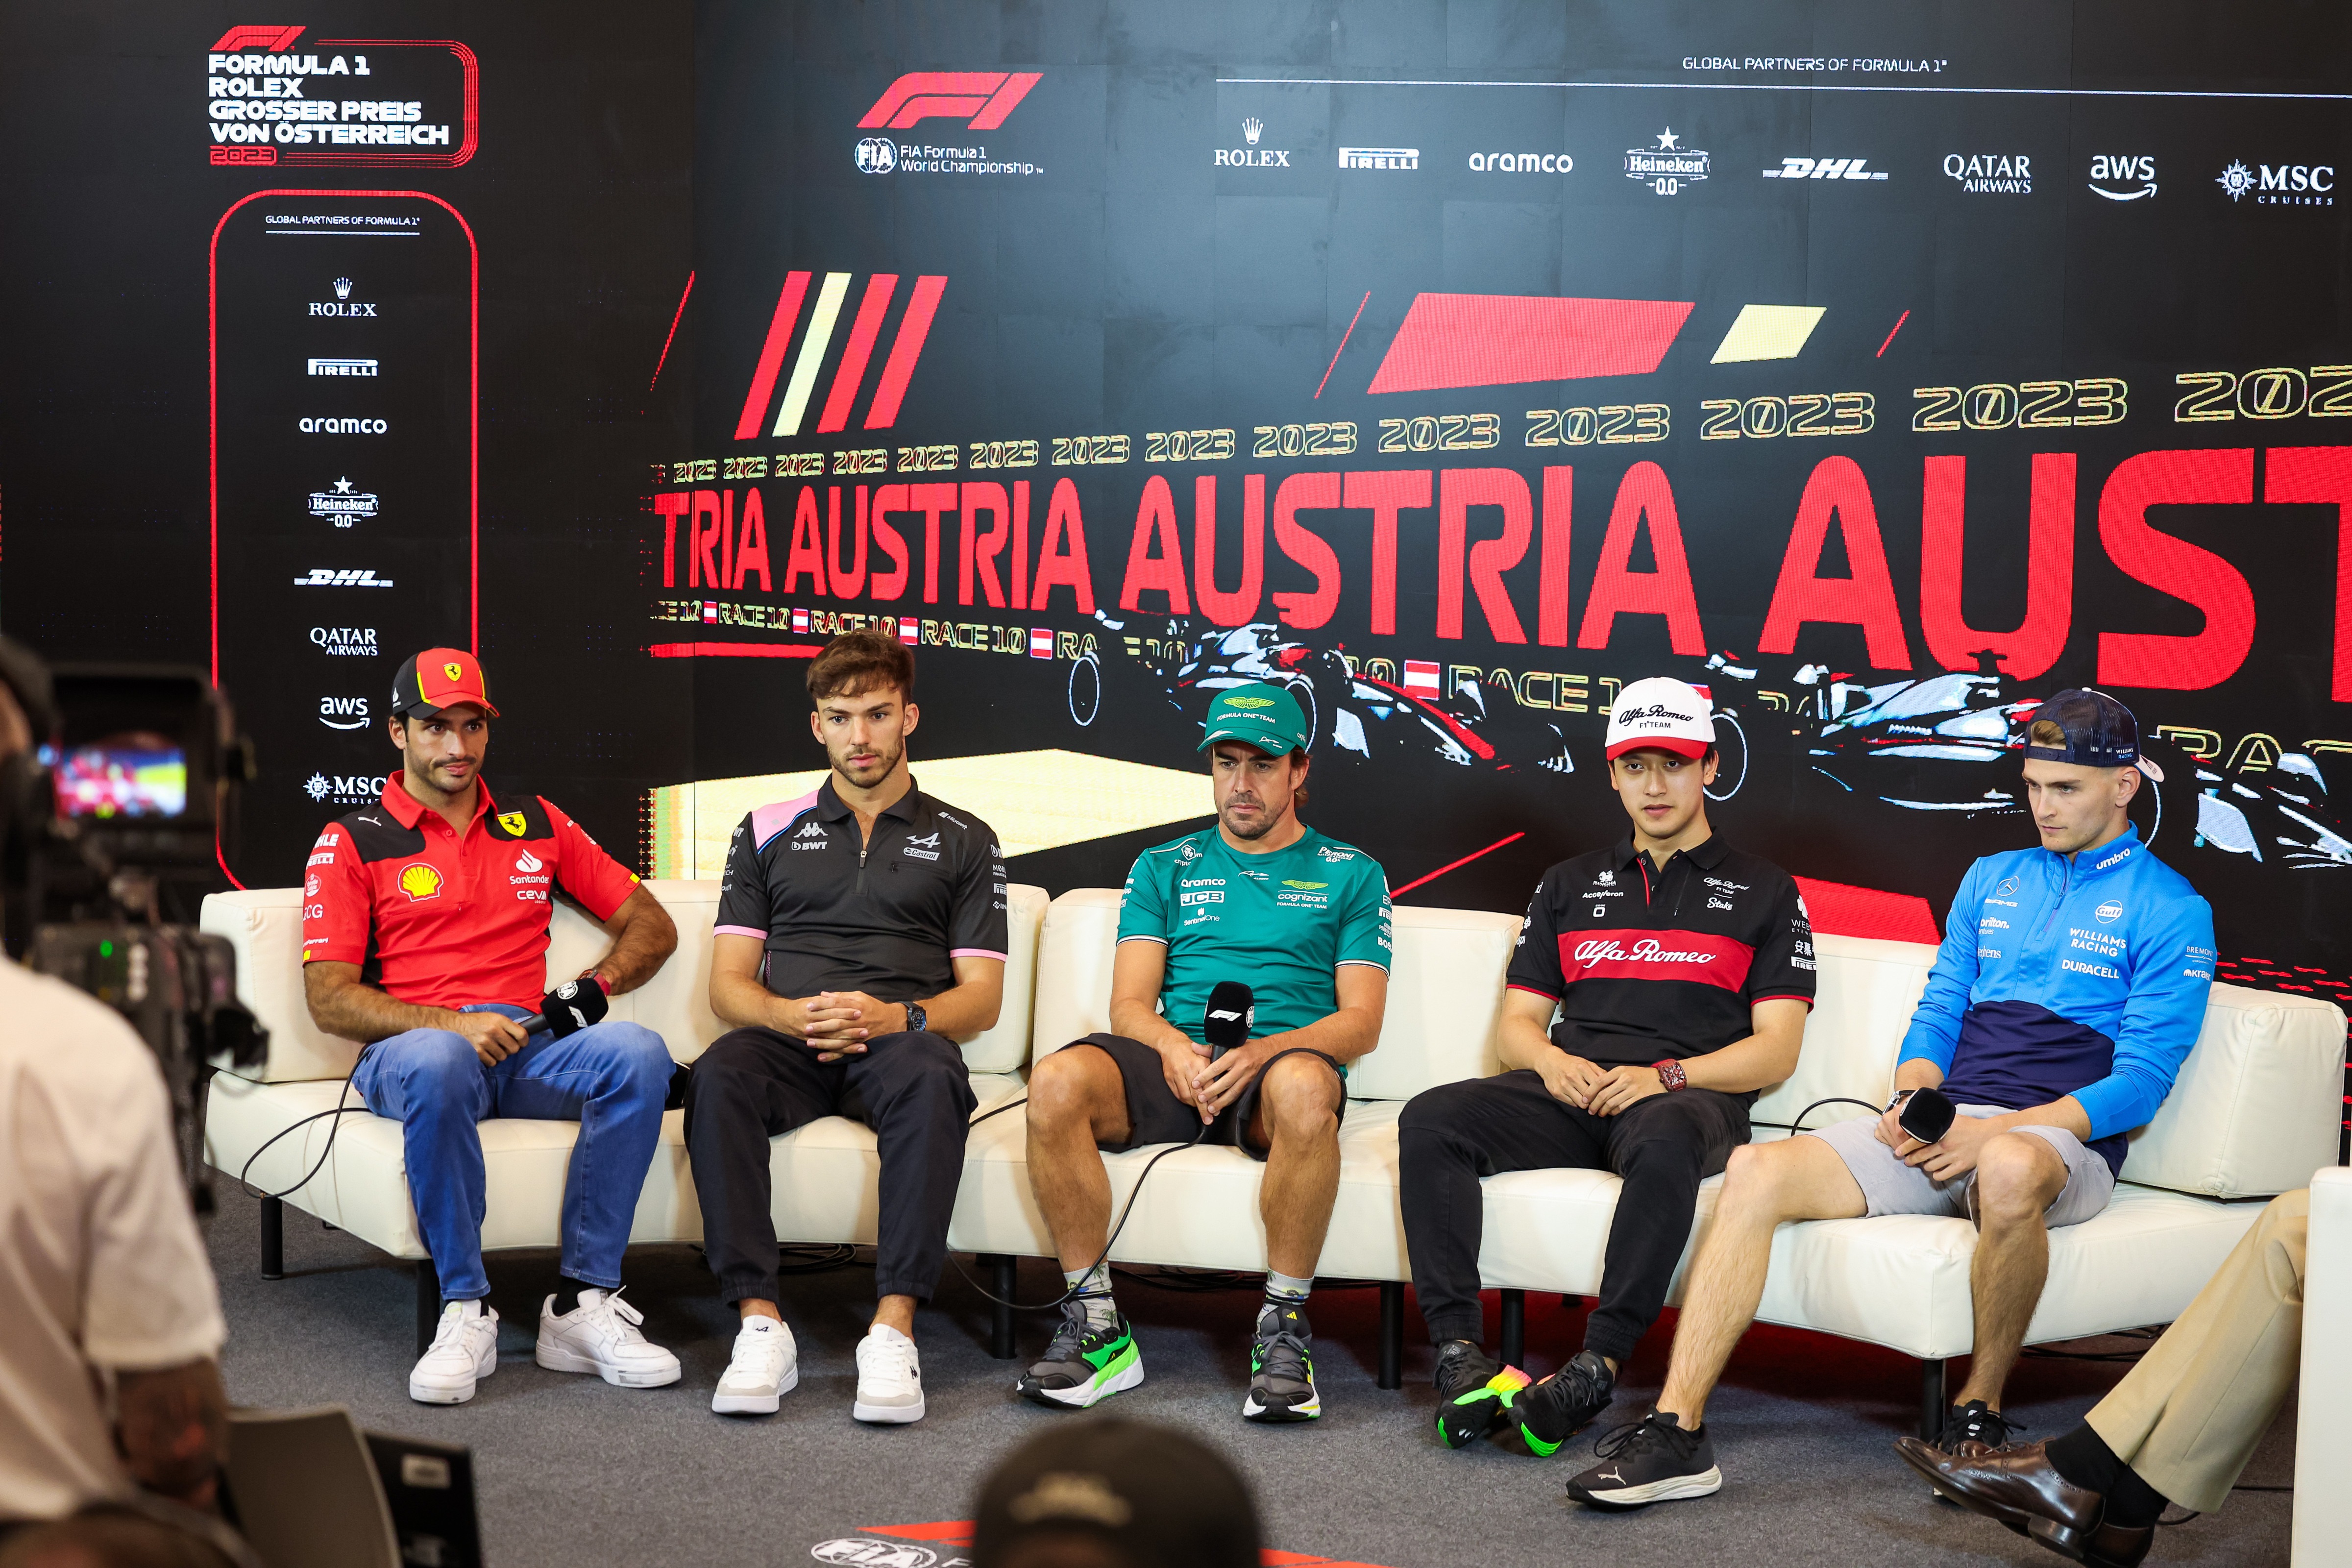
(1863, 994)
(2258, 1105)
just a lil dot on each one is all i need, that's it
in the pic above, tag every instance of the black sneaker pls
(1083, 1365)
(1473, 1393)
(1282, 1368)
(1971, 1431)
(1653, 1460)
(1560, 1406)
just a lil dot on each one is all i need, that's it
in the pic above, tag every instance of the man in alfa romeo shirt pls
(861, 935)
(2070, 985)
(425, 931)
(1681, 969)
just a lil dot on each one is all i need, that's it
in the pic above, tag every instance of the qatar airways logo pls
(1649, 950)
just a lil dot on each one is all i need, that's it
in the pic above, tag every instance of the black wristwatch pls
(917, 1019)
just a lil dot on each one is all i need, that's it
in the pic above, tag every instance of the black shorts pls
(1155, 1115)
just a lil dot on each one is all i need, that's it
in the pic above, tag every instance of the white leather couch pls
(2254, 1114)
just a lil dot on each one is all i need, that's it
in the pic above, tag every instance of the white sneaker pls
(599, 1335)
(764, 1367)
(464, 1348)
(889, 1377)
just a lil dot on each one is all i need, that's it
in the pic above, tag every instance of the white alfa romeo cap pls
(1672, 715)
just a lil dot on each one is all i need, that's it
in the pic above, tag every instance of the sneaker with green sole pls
(1473, 1393)
(1083, 1365)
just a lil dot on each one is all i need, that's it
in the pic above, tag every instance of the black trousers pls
(1663, 1146)
(755, 1084)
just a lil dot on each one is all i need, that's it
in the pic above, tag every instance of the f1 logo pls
(986, 97)
(275, 39)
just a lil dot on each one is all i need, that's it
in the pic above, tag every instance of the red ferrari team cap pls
(1672, 715)
(436, 679)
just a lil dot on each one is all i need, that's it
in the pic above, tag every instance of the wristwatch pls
(1670, 1073)
(917, 1019)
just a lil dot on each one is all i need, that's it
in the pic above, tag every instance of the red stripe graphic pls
(921, 305)
(860, 347)
(986, 96)
(771, 356)
(674, 320)
(1840, 909)
(1495, 340)
(1000, 104)
(1694, 956)
(274, 39)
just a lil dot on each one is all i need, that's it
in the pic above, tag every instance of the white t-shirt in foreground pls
(101, 1268)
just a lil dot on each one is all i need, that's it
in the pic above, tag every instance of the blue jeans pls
(610, 1077)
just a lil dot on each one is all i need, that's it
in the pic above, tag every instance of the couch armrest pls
(2323, 1445)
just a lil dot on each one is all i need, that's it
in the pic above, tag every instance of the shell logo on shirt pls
(420, 882)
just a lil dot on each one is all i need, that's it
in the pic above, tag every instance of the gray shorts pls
(1890, 1186)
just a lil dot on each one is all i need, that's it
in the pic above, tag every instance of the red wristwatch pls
(1670, 1073)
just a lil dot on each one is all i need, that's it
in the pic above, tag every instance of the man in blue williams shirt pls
(2070, 985)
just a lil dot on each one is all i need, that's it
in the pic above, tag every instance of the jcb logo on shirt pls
(420, 882)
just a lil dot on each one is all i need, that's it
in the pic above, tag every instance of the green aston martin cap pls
(1267, 717)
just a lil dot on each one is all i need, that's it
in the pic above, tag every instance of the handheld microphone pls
(1927, 1114)
(570, 1007)
(1225, 1021)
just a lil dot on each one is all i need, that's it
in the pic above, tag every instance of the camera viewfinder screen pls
(141, 776)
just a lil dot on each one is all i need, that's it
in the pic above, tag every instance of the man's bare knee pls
(1065, 1086)
(1299, 1099)
(1787, 1180)
(2018, 1178)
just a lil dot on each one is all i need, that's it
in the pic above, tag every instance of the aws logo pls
(420, 881)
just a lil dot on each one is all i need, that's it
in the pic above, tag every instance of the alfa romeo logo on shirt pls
(420, 882)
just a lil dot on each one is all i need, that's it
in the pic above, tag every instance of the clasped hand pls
(837, 1024)
(1589, 1086)
(1953, 1155)
(1208, 1087)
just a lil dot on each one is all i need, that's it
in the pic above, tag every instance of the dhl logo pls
(420, 881)
(856, 352)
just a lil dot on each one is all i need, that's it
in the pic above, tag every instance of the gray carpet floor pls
(573, 1471)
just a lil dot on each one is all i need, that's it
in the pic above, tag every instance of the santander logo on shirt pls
(1697, 956)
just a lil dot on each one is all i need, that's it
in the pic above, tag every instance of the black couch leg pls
(1392, 1334)
(273, 1238)
(1932, 1408)
(428, 1303)
(1003, 1279)
(1515, 1327)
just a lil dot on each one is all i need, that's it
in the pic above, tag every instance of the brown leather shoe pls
(2019, 1488)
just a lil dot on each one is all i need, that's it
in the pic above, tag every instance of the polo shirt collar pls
(1707, 855)
(408, 811)
(831, 808)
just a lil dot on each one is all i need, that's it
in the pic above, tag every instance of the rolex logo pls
(342, 288)
(1252, 129)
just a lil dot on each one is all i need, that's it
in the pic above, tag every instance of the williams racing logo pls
(420, 881)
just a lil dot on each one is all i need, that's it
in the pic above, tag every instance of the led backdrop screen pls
(1881, 368)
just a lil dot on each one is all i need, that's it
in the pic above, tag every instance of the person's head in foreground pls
(1107, 1493)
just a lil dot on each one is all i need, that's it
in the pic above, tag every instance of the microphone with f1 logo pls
(1225, 1021)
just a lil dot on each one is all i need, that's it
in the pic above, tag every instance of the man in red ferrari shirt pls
(424, 936)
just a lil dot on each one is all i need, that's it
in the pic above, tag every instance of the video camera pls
(110, 828)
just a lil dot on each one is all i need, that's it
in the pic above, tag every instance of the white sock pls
(1286, 1290)
(1093, 1287)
